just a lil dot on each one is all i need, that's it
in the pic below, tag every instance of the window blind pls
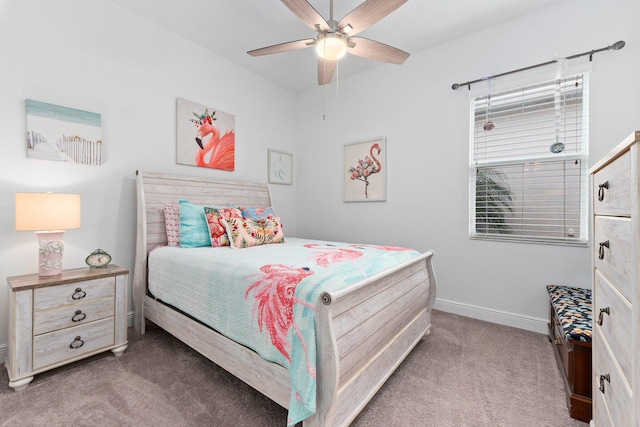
(528, 163)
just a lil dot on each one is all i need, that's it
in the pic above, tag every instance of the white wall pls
(99, 57)
(426, 124)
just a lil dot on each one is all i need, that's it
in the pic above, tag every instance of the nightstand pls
(59, 319)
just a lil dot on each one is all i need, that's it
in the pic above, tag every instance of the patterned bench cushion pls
(573, 307)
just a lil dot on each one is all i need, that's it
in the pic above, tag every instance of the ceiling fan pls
(334, 38)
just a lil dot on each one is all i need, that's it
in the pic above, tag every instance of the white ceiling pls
(230, 28)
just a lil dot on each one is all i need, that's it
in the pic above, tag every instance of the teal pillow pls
(194, 230)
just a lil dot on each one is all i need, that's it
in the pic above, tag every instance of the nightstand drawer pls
(612, 242)
(73, 293)
(612, 188)
(72, 315)
(70, 343)
(616, 322)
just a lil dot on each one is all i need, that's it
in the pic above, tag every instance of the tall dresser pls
(616, 293)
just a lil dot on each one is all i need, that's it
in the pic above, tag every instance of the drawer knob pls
(78, 294)
(601, 188)
(78, 316)
(601, 315)
(77, 342)
(606, 377)
(603, 245)
(557, 341)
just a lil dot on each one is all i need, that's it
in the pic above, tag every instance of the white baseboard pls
(494, 316)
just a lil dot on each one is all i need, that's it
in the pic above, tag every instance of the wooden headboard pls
(154, 190)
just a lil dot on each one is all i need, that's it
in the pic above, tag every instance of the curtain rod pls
(616, 46)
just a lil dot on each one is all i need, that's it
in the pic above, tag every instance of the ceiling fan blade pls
(303, 10)
(375, 50)
(282, 47)
(326, 70)
(367, 14)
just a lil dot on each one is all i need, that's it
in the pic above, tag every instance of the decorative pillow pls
(247, 232)
(255, 213)
(172, 223)
(194, 230)
(217, 226)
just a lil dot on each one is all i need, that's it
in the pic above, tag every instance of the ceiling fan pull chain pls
(324, 102)
(337, 78)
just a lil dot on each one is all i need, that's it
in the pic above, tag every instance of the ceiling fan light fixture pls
(331, 46)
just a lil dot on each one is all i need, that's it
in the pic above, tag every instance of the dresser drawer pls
(73, 293)
(55, 347)
(616, 324)
(616, 199)
(72, 315)
(613, 249)
(616, 393)
(601, 416)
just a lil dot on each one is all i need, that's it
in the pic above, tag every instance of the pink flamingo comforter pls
(264, 297)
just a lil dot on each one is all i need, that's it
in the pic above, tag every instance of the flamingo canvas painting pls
(365, 171)
(205, 136)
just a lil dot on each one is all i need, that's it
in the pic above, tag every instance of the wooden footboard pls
(363, 332)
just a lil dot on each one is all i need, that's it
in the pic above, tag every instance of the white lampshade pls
(48, 214)
(47, 211)
(331, 46)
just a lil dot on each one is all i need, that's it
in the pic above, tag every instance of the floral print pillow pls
(217, 226)
(172, 223)
(255, 213)
(245, 233)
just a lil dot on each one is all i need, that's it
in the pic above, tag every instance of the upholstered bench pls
(570, 330)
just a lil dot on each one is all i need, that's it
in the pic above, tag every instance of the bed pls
(363, 330)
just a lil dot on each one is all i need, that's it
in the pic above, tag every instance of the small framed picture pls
(365, 171)
(280, 167)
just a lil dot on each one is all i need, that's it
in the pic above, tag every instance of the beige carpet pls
(467, 373)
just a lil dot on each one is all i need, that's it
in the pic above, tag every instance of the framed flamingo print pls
(365, 171)
(205, 136)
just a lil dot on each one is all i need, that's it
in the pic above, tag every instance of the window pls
(528, 163)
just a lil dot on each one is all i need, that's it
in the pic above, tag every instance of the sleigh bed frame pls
(360, 342)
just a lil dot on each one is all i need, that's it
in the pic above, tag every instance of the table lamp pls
(49, 215)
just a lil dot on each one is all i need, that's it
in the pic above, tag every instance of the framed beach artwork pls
(205, 136)
(365, 171)
(280, 167)
(63, 134)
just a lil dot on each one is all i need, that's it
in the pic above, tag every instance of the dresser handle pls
(602, 379)
(601, 315)
(77, 342)
(79, 294)
(601, 188)
(78, 316)
(603, 245)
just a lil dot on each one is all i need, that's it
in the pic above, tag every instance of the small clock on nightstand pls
(98, 259)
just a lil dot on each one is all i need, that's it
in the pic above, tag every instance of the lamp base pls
(50, 249)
